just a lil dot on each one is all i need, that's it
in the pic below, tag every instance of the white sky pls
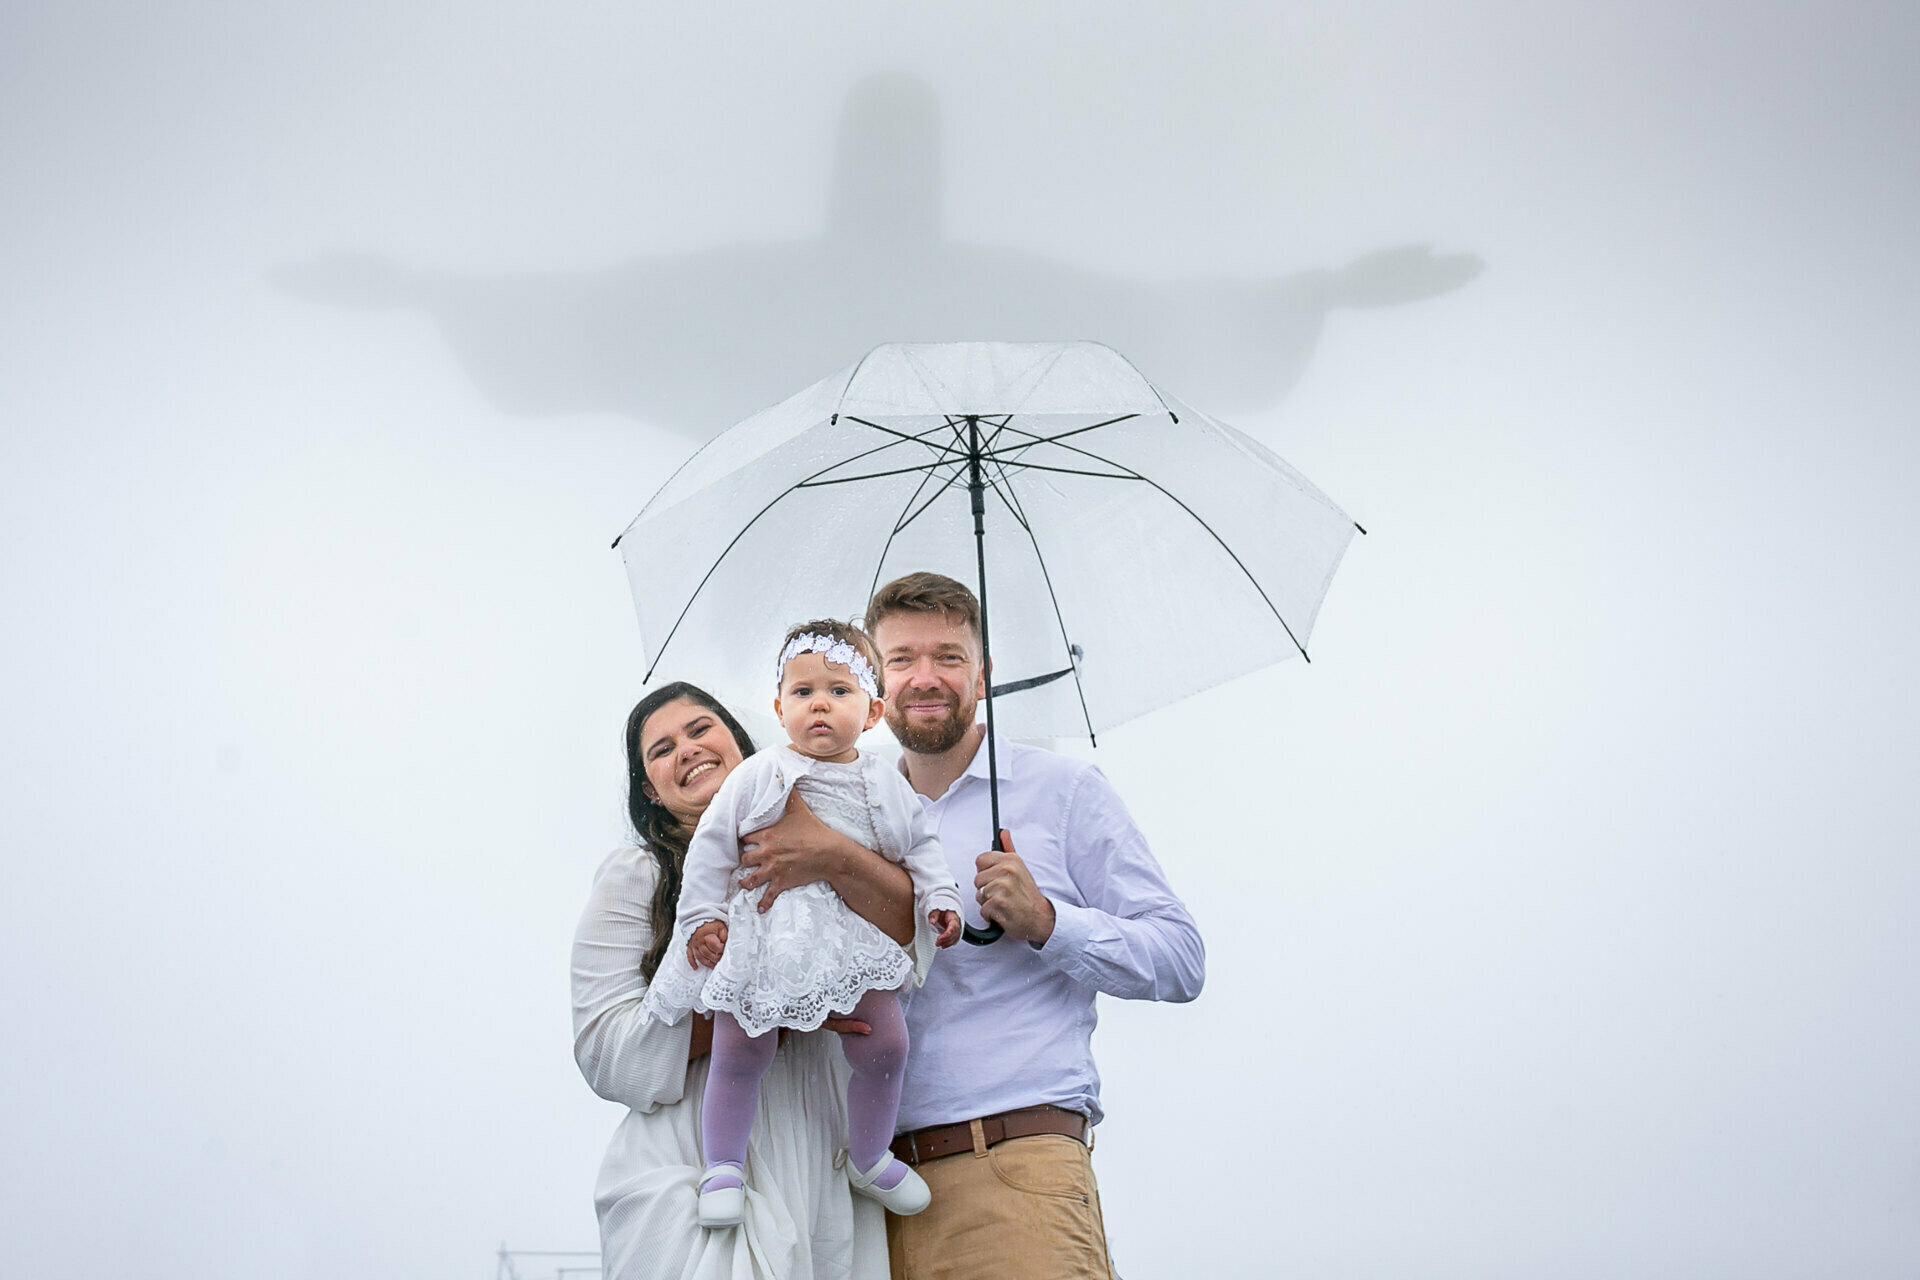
(1560, 914)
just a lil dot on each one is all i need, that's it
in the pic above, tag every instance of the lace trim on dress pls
(806, 959)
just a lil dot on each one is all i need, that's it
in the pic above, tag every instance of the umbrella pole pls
(977, 490)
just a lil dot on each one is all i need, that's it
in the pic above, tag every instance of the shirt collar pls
(976, 767)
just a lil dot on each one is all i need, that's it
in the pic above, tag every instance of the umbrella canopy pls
(1136, 551)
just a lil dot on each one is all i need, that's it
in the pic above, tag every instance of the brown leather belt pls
(940, 1140)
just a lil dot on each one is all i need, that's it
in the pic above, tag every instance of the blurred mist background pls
(337, 342)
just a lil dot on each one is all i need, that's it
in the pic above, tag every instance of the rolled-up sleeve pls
(625, 1056)
(1130, 935)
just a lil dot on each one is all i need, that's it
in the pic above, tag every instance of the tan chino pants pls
(1026, 1209)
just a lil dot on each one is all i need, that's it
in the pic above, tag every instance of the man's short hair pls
(926, 593)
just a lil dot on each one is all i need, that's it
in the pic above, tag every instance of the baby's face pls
(823, 708)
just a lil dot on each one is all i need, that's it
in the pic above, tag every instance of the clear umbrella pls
(1128, 550)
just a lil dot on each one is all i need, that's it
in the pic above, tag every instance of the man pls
(1001, 1092)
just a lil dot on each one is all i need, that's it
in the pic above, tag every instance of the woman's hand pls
(707, 945)
(847, 1026)
(948, 923)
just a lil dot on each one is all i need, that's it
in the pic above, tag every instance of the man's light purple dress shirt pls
(1009, 1025)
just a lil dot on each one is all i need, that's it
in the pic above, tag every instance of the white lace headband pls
(837, 651)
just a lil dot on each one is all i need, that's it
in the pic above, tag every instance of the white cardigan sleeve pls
(934, 888)
(625, 1056)
(933, 885)
(713, 854)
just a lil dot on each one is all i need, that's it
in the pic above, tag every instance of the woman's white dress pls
(809, 955)
(802, 1220)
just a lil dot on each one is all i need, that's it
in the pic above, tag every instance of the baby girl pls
(808, 957)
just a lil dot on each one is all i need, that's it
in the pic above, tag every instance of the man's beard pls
(932, 739)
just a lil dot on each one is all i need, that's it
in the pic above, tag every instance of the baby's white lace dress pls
(807, 957)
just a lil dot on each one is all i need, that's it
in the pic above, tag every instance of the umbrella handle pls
(981, 937)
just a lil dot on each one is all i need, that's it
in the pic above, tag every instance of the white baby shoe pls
(907, 1197)
(723, 1206)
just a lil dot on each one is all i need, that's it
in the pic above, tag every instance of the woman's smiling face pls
(688, 754)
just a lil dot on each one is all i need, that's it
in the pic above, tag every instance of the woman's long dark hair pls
(659, 831)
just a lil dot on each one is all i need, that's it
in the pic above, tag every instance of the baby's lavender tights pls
(879, 1063)
(873, 1096)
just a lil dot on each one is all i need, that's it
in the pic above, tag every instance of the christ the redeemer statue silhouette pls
(696, 341)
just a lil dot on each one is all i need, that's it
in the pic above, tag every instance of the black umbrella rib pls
(919, 439)
(958, 424)
(1012, 505)
(959, 469)
(868, 453)
(1039, 440)
(1034, 682)
(1012, 502)
(715, 566)
(1004, 488)
(882, 448)
(988, 454)
(711, 570)
(952, 480)
(1238, 563)
(928, 467)
(1061, 471)
(881, 563)
(958, 427)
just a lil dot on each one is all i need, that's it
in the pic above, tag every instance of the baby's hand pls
(707, 945)
(948, 923)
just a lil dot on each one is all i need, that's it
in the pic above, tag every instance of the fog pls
(1559, 914)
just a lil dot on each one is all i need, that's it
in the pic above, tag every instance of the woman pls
(802, 1222)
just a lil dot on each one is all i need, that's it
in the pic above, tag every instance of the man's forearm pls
(879, 891)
